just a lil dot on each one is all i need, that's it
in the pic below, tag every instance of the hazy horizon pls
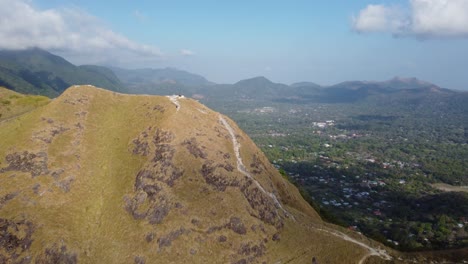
(227, 42)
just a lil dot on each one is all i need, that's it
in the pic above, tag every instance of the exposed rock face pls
(57, 254)
(15, 239)
(33, 163)
(100, 177)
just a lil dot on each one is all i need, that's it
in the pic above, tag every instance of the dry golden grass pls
(112, 178)
(14, 104)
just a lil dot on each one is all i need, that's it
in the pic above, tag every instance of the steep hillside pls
(100, 177)
(36, 71)
(105, 76)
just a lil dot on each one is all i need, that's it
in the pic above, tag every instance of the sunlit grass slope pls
(13, 104)
(99, 177)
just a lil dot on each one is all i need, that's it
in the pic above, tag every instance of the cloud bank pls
(422, 18)
(66, 31)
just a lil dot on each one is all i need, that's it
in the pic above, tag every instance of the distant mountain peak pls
(258, 79)
(263, 78)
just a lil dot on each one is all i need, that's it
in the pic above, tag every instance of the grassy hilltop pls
(99, 177)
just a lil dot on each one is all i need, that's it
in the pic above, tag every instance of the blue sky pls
(286, 41)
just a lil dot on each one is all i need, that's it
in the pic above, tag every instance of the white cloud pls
(440, 17)
(422, 18)
(376, 18)
(186, 52)
(68, 31)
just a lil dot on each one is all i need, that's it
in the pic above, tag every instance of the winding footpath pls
(15, 116)
(175, 100)
(372, 251)
(243, 170)
(241, 167)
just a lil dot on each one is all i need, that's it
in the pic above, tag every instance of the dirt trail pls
(14, 116)
(372, 251)
(243, 170)
(241, 167)
(175, 100)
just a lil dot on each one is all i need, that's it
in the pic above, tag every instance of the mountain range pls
(36, 71)
(404, 90)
